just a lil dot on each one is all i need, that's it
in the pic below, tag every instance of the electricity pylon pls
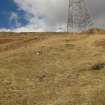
(79, 18)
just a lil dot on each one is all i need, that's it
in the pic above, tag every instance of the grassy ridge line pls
(13, 45)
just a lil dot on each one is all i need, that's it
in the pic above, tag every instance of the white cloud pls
(5, 30)
(14, 18)
(29, 28)
(45, 15)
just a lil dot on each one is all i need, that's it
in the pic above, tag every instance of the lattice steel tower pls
(78, 16)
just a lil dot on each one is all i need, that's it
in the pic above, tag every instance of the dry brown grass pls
(52, 69)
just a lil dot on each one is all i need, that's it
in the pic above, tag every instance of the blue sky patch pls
(7, 7)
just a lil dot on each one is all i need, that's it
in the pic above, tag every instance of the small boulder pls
(38, 52)
(98, 66)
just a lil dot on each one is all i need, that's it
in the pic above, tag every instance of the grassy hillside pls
(52, 69)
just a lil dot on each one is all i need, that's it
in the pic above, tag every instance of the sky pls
(43, 15)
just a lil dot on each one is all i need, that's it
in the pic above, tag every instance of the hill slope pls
(52, 69)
